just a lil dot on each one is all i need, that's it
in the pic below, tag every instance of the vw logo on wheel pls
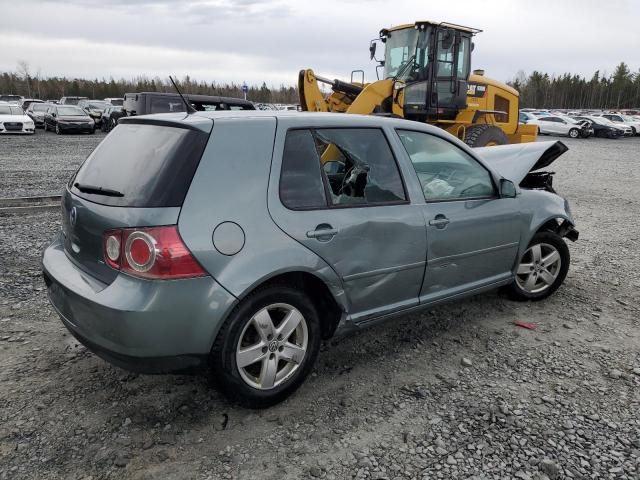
(73, 216)
(273, 346)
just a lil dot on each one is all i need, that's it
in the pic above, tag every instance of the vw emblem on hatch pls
(73, 216)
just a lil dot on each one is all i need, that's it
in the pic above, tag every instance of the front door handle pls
(440, 221)
(323, 232)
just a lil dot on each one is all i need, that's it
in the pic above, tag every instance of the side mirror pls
(507, 188)
(53, 114)
(372, 50)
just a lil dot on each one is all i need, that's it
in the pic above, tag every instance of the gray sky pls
(271, 40)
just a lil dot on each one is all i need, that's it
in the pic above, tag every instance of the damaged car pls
(183, 245)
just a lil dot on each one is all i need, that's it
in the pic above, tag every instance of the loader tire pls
(484, 136)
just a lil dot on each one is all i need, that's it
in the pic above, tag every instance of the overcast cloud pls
(271, 40)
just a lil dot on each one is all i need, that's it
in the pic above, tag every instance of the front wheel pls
(542, 268)
(574, 133)
(485, 135)
(58, 131)
(267, 346)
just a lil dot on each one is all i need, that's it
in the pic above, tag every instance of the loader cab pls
(433, 61)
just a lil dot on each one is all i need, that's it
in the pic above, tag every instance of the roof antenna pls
(190, 108)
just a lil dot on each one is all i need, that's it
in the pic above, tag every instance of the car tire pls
(574, 133)
(113, 123)
(44, 126)
(485, 135)
(58, 131)
(255, 383)
(92, 131)
(536, 281)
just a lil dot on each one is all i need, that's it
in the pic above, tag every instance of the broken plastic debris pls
(527, 325)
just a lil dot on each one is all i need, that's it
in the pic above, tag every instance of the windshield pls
(10, 98)
(406, 54)
(71, 111)
(117, 101)
(39, 107)
(97, 105)
(605, 121)
(9, 110)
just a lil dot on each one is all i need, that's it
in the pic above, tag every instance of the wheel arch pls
(330, 303)
(560, 223)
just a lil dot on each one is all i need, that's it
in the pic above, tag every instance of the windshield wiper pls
(404, 65)
(107, 192)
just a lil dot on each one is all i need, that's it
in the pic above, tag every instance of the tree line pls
(537, 90)
(35, 85)
(617, 91)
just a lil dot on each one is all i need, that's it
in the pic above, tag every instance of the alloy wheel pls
(272, 346)
(539, 268)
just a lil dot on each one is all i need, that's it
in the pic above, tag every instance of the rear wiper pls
(98, 190)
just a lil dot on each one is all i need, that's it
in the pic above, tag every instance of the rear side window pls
(142, 165)
(339, 168)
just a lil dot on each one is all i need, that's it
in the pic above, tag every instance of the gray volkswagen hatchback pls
(240, 240)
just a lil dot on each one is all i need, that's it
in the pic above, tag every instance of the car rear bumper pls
(140, 325)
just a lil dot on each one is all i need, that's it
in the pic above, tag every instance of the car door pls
(545, 125)
(47, 116)
(339, 193)
(472, 233)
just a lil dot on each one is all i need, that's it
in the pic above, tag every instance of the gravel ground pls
(456, 392)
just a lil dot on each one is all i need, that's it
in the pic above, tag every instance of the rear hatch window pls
(141, 165)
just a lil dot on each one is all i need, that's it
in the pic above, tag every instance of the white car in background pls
(557, 125)
(624, 120)
(14, 120)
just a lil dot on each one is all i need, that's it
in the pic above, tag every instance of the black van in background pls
(154, 102)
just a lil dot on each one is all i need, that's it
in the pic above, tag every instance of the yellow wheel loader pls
(427, 78)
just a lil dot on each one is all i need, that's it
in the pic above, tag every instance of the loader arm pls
(344, 97)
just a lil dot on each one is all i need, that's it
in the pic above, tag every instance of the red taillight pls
(154, 252)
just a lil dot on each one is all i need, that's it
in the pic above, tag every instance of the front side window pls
(349, 167)
(445, 171)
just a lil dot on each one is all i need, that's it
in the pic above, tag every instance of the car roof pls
(327, 120)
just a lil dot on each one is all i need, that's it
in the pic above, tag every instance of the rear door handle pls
(323, 232)
(440, 221)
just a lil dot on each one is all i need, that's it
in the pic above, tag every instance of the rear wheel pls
(574, 133)
(485, 136)
(542, 268)
(267, 346)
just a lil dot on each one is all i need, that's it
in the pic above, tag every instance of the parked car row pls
(81, 114)
(582, 125)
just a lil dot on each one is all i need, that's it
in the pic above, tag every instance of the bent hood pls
(514, 162)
